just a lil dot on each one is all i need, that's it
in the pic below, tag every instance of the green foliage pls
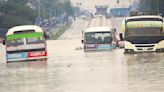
(161, 9)
(51, 8)
(152, 6)
(146, 5)
(10, 21)
(69, 8)
(15, 12)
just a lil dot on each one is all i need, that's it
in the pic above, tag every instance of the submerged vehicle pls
(25, 43)
(99, 38)
(143, 34)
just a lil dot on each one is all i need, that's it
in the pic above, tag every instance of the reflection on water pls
(24, 77)
(71, 70)
(28, 64)
(145, 72)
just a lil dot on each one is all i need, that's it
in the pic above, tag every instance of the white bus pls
(143, 34)
(25, 43)
(99, 38)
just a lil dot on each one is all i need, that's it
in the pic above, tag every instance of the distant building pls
(101, 9)
(119, 12)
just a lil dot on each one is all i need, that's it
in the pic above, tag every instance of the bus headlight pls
(128, 45)
(160, 45)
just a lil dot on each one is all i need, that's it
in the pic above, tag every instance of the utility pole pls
(39, 6)
(44, 8)
(158, 6)
(51, 8)
(118, 1)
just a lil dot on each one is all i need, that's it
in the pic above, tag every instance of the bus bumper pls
(98, 47)
(159, 47)
(25, 56)
(23, 60)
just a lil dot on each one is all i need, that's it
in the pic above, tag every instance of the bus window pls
(98, 38)
(35, 40)
(15, 42)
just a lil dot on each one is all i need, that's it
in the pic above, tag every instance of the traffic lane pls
(75, 31)
(116, 22)
(100, 20)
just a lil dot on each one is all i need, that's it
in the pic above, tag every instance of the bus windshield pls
(98, 38)
(145, 31)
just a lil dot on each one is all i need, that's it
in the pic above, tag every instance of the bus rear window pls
(35, 40)
(15, 42)
(22, 32)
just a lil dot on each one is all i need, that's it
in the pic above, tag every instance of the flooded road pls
(69, 69)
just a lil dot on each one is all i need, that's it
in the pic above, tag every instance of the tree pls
(69, 8)
(51, 8)
(148, 5)
(14, 13)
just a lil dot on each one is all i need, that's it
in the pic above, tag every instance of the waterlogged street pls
(69, 69)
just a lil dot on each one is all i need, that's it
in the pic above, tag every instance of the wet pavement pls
(69, 69)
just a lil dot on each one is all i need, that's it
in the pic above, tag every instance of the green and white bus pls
(25, 43)
(143, 34)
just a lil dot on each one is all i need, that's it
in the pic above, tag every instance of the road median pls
(61, 30)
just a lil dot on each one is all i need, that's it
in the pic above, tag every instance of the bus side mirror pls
(121, 37)
(4, 43)
(46, 35)
(82, 41)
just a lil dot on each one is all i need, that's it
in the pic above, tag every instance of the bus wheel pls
(125, 51)
(128, 51)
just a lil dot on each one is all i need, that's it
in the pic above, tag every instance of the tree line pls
(152, 6)
(18, 12)
(49, 8)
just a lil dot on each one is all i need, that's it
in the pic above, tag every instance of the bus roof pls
(144, 16)
(24, 28)
(98, 29)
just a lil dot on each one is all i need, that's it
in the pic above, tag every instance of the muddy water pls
(69, 69)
